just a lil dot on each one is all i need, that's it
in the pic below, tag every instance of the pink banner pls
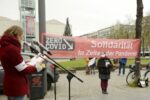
(74, 47)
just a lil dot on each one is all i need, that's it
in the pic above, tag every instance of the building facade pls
(112, 30)
(52, 26)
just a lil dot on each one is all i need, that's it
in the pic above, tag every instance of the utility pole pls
(42, 23)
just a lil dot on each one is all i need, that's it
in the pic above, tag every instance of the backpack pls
(143, 83)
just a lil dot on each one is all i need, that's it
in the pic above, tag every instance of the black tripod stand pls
(69, 76)
(55, 82)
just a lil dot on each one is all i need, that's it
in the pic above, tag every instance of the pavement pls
(90, 89)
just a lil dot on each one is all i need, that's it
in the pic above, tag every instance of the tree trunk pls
(138, 30)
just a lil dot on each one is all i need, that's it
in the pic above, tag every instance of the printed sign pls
(36, 80)
(73, 47)
(55, 43)
(30, 26)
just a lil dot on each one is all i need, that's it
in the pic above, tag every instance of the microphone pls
(41, 46)
(32, 48)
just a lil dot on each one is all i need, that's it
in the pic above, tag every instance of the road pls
(90, 89)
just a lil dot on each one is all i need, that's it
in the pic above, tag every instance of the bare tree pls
(138, 30)
(146, 32)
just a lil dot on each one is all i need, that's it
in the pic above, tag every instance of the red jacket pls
(15, 82)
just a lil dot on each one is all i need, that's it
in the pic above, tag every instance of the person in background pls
(115, 63)
(122, 65)
(104, 66)
(87, 71)
(15, 69)
(92, 65)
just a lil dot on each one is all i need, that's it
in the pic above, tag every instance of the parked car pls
(49, 69)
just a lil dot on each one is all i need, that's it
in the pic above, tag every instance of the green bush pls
(133, 84)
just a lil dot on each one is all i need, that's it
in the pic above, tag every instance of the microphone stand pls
(69, 76)
(55, 82)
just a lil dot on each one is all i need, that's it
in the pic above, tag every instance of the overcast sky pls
(85, 16)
